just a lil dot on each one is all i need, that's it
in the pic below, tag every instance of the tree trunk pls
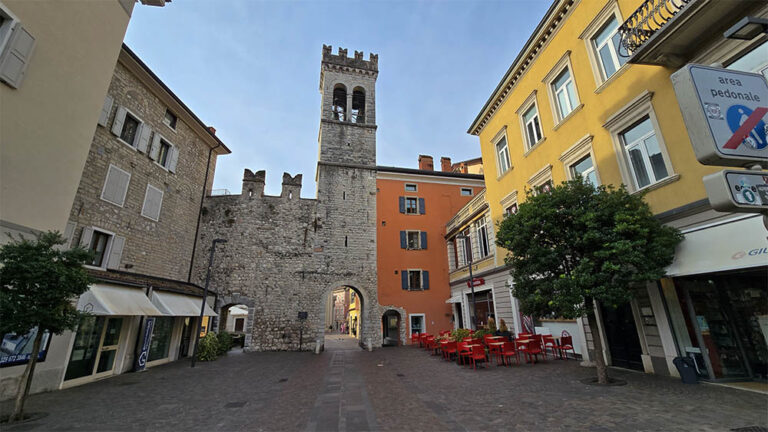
(26, 379)
(602, 369)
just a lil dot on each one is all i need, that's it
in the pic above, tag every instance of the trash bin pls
(686, 369)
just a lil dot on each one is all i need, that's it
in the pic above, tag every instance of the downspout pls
(200, 211)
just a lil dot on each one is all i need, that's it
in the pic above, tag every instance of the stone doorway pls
(344, 317)
(391, 323)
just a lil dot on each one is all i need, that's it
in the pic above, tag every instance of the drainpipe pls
(200, 211)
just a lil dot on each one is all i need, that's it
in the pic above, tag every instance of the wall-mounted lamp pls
(747, 28)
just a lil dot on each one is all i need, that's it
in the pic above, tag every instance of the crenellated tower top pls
(358, 62)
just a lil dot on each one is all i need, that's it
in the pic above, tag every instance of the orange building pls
(413, 207)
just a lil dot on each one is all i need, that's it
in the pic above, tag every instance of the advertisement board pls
(725, 113)
(17, 349)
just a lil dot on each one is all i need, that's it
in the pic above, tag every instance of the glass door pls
(109, 344)
(95, 347)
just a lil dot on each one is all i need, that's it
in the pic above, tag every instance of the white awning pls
(116, 300)
(173, 304)
(730, 245)
(454, 299)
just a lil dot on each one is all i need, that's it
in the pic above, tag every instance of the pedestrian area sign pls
(725, 112)
(738, 190)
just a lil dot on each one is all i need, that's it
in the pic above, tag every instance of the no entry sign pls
(725, 113)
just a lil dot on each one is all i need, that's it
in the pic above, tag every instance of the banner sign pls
(17, 349)
(725, 114)
(141, 362)
(476, 282)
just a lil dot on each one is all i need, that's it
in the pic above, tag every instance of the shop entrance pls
(483, 307)
(95, 348)
(726, 317)
(621, 335)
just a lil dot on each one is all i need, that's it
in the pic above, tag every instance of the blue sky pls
(252, 68)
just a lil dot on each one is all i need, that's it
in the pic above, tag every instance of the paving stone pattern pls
(390, 389)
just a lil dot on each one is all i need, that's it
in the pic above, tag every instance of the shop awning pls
(173, 304)
(730, 245)
(454, 299)
(116, 300)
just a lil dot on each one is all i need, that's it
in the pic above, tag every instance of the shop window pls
(417, 323)
(95, 347)
(161, 338)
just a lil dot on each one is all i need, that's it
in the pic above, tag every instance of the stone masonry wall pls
(159, 248)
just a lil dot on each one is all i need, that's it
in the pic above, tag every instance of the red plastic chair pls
(448, 349)
(423, 339)
(530, 350)
(549, 343)
(415, 338)
(464, 351)
(478, 354)
(566, 344)
(507, 351)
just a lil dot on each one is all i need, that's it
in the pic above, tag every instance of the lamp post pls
(464, 238)
(205, 297)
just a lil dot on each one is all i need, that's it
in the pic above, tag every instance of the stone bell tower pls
(346, 178)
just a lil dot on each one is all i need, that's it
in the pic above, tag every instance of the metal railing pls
(649, 18)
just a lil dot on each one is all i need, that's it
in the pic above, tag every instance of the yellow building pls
(576, 101)
(56, 62)
(353, 317)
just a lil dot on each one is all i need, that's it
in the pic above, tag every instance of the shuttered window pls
(153, 201)
(116, 186)
(16, 52)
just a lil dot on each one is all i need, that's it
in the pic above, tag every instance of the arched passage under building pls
(344, 319)
(391, 324)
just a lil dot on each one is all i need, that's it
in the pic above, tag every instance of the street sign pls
(725, 114)
(141, 361)
(303, 315)
(738, 190)
(476, 282)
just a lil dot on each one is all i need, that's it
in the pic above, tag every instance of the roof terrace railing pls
(649, 18)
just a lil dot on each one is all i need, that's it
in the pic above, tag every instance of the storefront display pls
(161, 338)
(725, 318)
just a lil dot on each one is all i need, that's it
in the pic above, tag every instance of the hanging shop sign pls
(476, 282)
(725, 113)
(738, 190)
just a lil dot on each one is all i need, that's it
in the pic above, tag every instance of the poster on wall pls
(17, 349)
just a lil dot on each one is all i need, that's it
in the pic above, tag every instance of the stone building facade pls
(284, 254)
(157, 243)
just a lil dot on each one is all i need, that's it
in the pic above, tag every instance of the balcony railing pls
(644, 22)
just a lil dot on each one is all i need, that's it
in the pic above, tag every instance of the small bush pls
(209, 347)
(459, 334)
(225, 342)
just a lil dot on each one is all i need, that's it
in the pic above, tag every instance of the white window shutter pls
(117, 125)
(85, 237)
(105, 110)
(14, 62)
(154, 152)
(144, 137)
(153, 202)
(116, 186)
(116, 252)
(69, 231)
(174, 159)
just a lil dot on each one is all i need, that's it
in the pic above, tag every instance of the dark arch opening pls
(390, 328)
(339, 108)
(358, 105)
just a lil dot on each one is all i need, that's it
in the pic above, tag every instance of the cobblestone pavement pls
(389, 389)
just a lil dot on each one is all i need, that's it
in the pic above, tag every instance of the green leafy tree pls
(578, 245)
(39, 282)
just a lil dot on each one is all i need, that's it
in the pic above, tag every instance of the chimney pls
(212, 129)
(445, 164)
(425, 163)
